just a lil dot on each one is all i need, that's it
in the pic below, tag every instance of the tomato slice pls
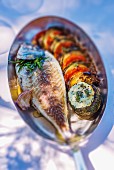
(59, 50)
(50, 35)
(73, 56)
(73, 69)
(56, 41)
(38, 38)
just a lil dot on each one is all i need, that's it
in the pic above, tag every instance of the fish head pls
(28, 52)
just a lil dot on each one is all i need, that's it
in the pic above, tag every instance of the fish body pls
(47, 91)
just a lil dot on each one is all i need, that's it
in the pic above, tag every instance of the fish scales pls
(48, 91)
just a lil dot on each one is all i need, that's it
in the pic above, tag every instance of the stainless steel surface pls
(79, 161)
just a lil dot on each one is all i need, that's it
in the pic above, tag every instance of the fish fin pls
(24, 99)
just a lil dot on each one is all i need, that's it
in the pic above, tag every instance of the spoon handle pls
(79, 161)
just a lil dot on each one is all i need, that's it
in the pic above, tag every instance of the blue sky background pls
(96, 18)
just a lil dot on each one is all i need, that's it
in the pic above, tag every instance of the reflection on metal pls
(80, 164)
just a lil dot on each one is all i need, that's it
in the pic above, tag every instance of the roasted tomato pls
(59, 38)
(73, 56)
(49, 37)
(59, 49)
(38, 39)
(85, 100)
(73, 69)
(56, 41)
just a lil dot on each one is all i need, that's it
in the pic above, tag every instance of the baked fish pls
(43, 85)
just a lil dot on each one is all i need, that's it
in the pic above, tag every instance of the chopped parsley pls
(87, 92)
(79, 95)
(30, 64)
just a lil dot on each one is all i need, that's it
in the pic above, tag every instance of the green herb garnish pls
(79, 95)
(30, 64)
(87, 92)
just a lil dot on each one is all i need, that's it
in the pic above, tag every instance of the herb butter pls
(81, 95)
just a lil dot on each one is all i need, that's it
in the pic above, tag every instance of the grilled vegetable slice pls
(38, 38)
(59, 48)
(49, 37)
(73, 69)
(56, 41)
(86, 77)
(60, 38)
(74, 80)
(73, 56)
(85, 99)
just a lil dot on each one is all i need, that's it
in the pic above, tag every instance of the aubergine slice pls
(59, 49)
(38, 38)
(60, 38)
(86, 77)
(85, 100)
(49, 37)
